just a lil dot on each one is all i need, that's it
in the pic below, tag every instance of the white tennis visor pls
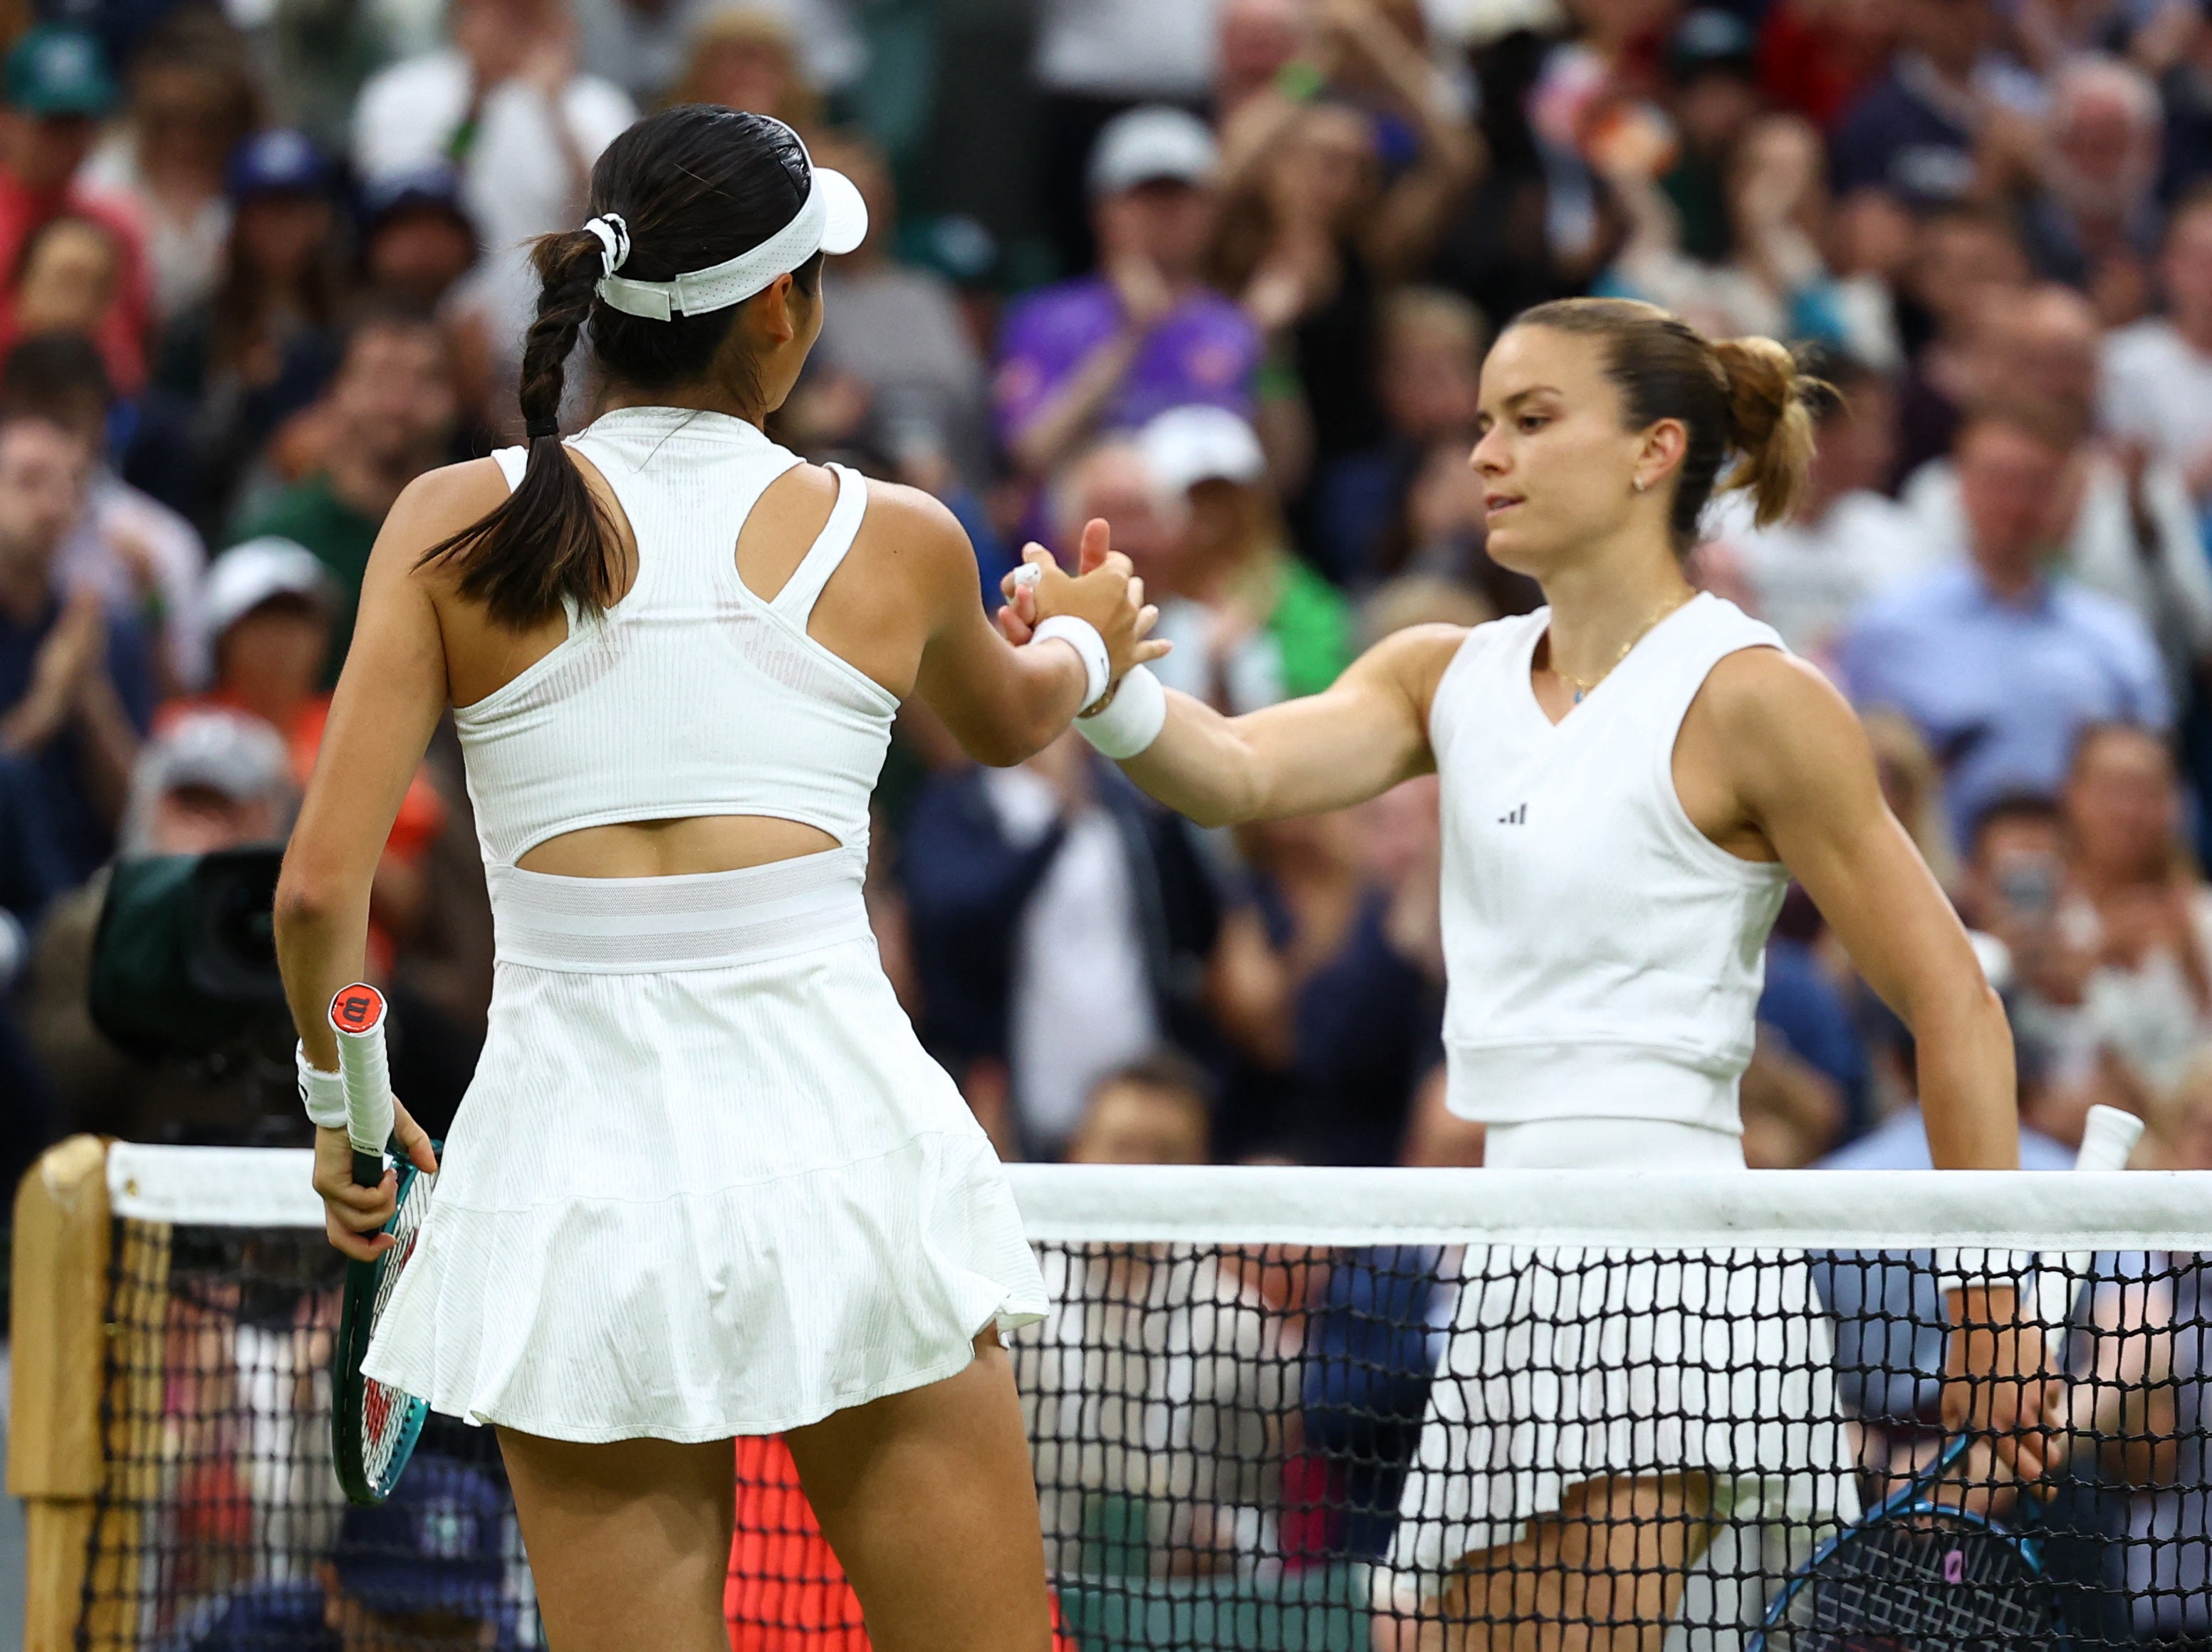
(832, 219)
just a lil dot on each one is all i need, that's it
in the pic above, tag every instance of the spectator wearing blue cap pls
(417, 238)
(54, 87)
(426, 1569)
(263, 347)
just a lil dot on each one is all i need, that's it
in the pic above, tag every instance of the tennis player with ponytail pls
(706, 1182)
(1631, 776)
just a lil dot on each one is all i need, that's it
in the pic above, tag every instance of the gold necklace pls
(1644, 630)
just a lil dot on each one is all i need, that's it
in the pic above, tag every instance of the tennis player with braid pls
(1631, 776)
(706, 1182)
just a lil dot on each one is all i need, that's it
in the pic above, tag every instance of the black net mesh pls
(1384, 1448)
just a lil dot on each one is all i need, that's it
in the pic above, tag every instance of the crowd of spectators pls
(255, 278)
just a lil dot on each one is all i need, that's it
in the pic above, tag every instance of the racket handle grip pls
(357, 1019)
(2108, 1137)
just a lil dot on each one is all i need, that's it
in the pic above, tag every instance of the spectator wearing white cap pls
(1254, 624)
(1096, 59)
(1143, 333)
(269, 604)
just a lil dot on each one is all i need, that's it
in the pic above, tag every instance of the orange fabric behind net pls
(786, 1593)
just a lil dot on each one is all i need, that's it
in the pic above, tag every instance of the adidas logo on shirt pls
(1518, 817)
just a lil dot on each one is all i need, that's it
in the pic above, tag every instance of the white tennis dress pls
(1604, 959)
(706, 1181)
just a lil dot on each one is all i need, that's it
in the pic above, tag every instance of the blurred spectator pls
(1766, 275)
(68, 282)
(75, 684)
(1314, 227)
(2158, 371)
(1964, 262)
(1344, 1025)
(2124, 520)
(899, 331)
(1804, 1020)
(2123, 971)
(1096, 59)
(390, 414)
(426, 1569)
(1914, 131)
(1816, 57)
(1429, 379)
(1257, 624)
(235, 368)
(505, 103)
(53, 87)
(1807, 574)
(1112, 481)
(1538, 225)
(1109, 350)
(211, 780)
(2000, 664)
(1256, 42)
(2177, 1124)
(192, 101)
(417, 242)
(143, 559)
(1063, 925)
(2090, 214)
(1712, 100)
(744, 56)
(1166, 1378)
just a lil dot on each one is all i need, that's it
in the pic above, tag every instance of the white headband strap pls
(727, 284)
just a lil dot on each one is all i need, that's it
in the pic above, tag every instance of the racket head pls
(374, 1425)
(1919, 1575)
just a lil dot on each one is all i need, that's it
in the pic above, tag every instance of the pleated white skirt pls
(1565, 1365)
(706, 1181)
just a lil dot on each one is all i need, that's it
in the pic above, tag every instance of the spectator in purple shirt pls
(1143, 333)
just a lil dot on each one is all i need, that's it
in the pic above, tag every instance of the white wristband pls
(1083, 636)
(323, 1094)
(1131, 720)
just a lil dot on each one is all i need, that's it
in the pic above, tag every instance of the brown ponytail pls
(696, 185)
(1740, 399)
(1772, 426)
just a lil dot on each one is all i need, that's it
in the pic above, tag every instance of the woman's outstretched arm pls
(1329, 750)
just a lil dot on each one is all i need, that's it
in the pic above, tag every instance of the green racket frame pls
(365, 1284)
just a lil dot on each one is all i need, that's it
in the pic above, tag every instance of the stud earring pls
(1638, 484)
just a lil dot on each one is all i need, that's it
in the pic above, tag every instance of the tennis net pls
(1270, 1408)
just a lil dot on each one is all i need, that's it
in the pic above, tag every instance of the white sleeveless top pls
(692, 696)
(1604, 957)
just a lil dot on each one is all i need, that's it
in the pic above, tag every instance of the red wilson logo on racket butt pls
(357, 1009)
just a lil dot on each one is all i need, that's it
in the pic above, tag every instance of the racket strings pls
(1933, 1585)
(386, 1413)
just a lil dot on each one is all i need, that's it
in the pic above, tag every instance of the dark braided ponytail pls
(696, 185)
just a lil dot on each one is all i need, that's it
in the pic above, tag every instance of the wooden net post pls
(55, 1460)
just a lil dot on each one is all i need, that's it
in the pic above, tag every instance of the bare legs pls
(1602, 1575)
(927, 1496)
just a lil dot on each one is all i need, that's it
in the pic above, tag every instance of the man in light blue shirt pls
(1999, 665)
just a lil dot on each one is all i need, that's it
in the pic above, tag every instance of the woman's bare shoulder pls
(441, 503)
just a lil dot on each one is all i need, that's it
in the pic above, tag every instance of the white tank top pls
(691, 695)
(1604, 957)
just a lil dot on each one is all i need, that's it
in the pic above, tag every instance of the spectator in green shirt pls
(390, 414)
(1252, 622)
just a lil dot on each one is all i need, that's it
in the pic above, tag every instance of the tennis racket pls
(1919, 1573)
(374, 1425)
